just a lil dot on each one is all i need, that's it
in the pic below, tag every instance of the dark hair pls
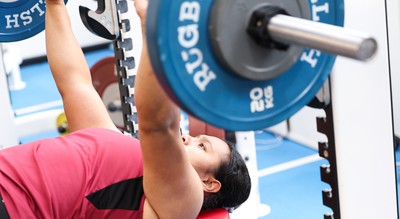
(235, 183)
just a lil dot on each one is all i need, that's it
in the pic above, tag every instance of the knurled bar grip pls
(325, 37)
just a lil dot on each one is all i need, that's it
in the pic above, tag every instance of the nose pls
(186, 139)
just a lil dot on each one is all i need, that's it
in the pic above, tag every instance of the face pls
(206, 153)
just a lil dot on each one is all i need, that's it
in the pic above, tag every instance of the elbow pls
(159, 121)
(157, 117)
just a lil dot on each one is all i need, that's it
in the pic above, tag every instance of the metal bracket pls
(329, 172)
(102, 22)
(108, 22)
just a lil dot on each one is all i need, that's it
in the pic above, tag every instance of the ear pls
(211, 185)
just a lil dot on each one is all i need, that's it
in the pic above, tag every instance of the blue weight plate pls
(194, 78)
(21, 19)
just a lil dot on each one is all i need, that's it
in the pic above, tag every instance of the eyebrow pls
(207, 140)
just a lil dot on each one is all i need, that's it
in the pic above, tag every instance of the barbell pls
(236, 64)
(244, 64)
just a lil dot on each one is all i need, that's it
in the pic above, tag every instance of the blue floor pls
(294, 192)
(291, 194)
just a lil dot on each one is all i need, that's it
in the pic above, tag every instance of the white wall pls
(394, 49)
(35, 46)
(363, 121)
(7, 128)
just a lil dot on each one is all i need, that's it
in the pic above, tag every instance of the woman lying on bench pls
(97, 172)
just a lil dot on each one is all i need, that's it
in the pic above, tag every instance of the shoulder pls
(100, 142)
(91, 131)
(101, 134)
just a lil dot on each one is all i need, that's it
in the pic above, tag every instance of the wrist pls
(55, 2)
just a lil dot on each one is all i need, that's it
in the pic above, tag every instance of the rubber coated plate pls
(21, 19)
(105, 81)
(183, 59)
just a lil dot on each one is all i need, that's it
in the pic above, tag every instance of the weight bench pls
(219, 213)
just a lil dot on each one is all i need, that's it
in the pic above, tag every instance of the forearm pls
(65, 57)
(166, 166)
(155, 109)
(83, 106)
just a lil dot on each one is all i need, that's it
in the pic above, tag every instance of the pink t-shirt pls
(91, 173)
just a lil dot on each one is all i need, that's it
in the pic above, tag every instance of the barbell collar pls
(324, 37)
(256, 28)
